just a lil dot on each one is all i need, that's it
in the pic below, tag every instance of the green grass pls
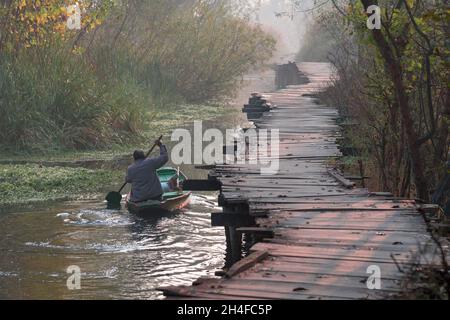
(162, 122)
(22, 184)
(126, 82)
(30, 183)
(178, 116)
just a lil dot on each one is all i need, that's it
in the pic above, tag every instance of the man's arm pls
(163, 158)
(127, 177)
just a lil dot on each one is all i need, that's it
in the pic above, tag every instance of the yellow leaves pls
(410, 3)
(39, 22)
(77, 50)
(71, 10)
(41, 19)
(59, 28)
(22, 4)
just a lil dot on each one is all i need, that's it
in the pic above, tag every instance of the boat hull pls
(153, 207)
(172, 201)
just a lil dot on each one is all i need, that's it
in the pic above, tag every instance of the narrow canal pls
(120, 256)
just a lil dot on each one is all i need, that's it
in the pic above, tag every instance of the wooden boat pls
(171, 201)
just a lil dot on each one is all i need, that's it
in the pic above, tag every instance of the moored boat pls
(171, 201)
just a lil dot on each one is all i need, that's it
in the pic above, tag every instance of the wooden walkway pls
(316, 233)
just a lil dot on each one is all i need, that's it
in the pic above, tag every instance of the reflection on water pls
(120, 255)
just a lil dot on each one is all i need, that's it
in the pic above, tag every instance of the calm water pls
(120, 255)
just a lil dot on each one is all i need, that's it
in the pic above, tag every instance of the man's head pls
(138, 155)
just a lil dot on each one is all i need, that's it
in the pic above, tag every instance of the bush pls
(52, 98)
(96, 87)
(196, 52)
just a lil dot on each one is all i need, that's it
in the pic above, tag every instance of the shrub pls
(95, 87)
(52, 98)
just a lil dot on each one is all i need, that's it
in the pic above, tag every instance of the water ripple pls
(120, 255)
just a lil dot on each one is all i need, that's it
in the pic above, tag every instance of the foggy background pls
(286, 21)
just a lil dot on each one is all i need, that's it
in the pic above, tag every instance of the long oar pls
(114, 198)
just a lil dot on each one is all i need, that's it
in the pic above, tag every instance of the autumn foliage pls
(98, 85)
(392, 91)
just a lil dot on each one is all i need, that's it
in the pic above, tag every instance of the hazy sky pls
(288, 31)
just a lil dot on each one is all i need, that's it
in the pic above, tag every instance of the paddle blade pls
(114, 199)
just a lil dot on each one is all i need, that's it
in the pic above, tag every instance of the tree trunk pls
(395, 71)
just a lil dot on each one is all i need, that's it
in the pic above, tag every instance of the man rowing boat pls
(145, 184)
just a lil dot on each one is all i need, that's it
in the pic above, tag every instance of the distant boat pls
(171, 201)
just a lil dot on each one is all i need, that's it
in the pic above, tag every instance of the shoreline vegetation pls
(391, 92)
(22, 185)
(133, 68)
(39, 178)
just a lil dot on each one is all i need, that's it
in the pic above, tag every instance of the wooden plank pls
(202, 185)
(282, 288)
(350, 237)
(360, 224)
(331, 253)
(175, 292)
(299, 205)
(262, 232)
(322, 267)
(355, 227)
(320, 263)
(246, 263)
(352, 214)
(248, 293)
(295, 199)
(389, 247)
(325, 279)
